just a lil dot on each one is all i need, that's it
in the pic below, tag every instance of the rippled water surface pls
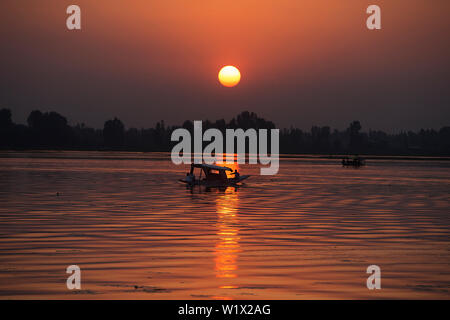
(309, 232)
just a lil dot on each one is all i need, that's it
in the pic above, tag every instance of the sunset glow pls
(135, 165)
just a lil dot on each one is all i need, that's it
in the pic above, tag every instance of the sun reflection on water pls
(227, 247)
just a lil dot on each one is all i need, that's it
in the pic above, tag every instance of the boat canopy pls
(210, 167)
(212, 172)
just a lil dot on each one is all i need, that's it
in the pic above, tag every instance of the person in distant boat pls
(236, 174)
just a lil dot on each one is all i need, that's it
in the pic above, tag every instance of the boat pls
(213, 176)
(355, 161)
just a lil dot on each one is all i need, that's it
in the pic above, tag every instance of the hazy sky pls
(303, 63)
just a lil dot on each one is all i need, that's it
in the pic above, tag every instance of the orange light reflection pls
(227, 248)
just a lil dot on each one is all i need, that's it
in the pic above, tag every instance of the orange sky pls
(302, 62)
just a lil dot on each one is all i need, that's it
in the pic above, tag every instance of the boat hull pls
(228, 182)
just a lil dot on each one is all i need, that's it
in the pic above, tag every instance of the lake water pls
(136, 233)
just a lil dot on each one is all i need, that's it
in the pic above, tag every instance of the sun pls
(229, 76)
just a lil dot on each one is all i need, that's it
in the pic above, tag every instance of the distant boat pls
(213, 176)
(355, 162)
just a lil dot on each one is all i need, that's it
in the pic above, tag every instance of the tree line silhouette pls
(50, 130)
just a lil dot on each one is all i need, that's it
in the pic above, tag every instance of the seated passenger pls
(190, 178)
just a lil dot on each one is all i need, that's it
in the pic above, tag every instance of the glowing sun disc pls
(229, 76)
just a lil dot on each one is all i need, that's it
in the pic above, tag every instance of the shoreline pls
(115, 154)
